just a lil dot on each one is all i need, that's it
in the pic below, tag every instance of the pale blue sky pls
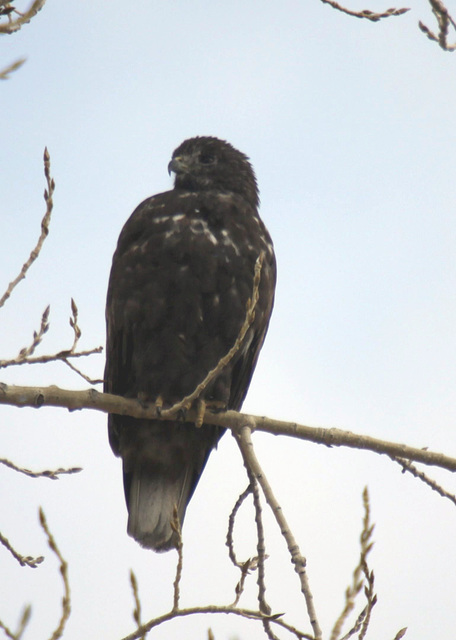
(351, 129)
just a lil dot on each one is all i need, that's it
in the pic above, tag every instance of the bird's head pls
(207, 163)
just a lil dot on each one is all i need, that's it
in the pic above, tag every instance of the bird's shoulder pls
(187, 212)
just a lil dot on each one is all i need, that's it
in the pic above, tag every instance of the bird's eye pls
(207, 158)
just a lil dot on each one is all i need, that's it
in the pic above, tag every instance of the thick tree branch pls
(53, 396)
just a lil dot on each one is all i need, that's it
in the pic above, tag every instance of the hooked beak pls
(177, 165)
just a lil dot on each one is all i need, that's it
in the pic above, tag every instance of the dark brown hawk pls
(181, 278)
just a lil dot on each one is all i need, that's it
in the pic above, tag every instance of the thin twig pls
(365, 13)
(47, 473)
(25, 355)
(408, 466)
(55, 357)
(249, 317)
(23, 622)
(175, 526)
(74, 325)
(26, 352)
(24, 561)
(244, 440)
(48, 193)
(362, 622)
(5, 73)
(78, 371)
(231, 520)
(66, 601)
(214, 609)
(443, 21)
(15, 25)
(249, 565)
(8, 632)
(137, 609)
(261, 550)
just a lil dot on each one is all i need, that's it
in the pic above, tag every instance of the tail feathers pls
(153, 495)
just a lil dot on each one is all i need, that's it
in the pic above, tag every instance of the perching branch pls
(54, 396)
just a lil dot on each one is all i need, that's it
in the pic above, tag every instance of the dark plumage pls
(180, 281)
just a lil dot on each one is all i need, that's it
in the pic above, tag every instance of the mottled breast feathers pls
(181, 278)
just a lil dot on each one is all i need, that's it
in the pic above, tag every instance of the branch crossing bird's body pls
(179, 288)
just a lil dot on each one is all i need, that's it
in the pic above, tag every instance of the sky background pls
(350, 126)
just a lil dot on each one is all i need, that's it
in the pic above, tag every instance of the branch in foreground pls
(48, 193)
(244, 440)
(54, 396)
(249, 317)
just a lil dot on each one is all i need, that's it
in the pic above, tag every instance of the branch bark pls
(54, 396)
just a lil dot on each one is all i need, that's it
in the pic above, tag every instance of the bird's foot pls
(201, 406)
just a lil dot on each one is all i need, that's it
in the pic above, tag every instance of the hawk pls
(180, 284)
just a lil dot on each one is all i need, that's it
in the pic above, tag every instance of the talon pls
(200, 407)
